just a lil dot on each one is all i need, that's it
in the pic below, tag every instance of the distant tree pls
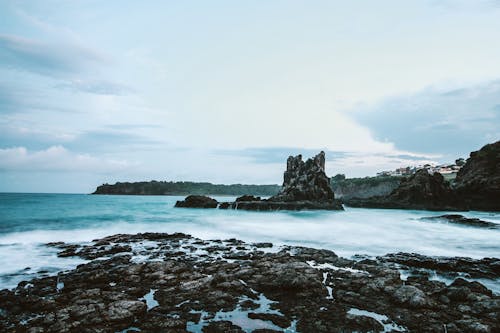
(338, 178)
(460, 162)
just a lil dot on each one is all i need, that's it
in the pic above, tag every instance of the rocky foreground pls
(176, 283)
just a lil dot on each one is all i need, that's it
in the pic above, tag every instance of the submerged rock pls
(197, 201)
(232, 286)
(478, 181)
(420, 191)
(460, 219)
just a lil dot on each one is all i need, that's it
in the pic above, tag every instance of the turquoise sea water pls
(27, 221)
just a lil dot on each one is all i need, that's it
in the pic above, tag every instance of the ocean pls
(28, 221)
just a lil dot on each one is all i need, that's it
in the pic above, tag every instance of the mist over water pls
(27, 221)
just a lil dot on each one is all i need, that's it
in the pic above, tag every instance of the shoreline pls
(196, 284)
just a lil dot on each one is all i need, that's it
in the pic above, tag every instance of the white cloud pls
(57, 159)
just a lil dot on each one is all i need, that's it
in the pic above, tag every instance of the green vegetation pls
(370, 181)
(185, 188)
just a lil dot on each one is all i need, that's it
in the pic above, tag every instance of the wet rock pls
(274, 318)
(222, 327)
(310, 289)
(410, 296)
(126, 310)
(247, 198)
(225, 205)
(263, 245)
(477, 268)
(197, 201)
(460, 219)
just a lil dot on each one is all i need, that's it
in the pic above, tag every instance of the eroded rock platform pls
(176, 283)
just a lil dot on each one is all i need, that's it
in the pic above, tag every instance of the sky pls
(96, 92)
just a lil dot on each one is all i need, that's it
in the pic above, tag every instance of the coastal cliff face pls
(364, 187)
(420, 191)
(478, 182)
(305, 180)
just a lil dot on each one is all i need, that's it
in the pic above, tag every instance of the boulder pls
(197, 201)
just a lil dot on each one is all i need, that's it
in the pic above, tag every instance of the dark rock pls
(197, 201)
(477, 268)
(222, 327)
(460, 219)
(274, 318)
(420, 191)
(305, 181)
(268, 205)
(224, 205)
(247, 198)
(312, 291)
(305, 187)
(478, 181)
(263, 245)
(411, 296)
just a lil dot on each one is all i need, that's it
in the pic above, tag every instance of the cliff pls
(347, 188)
(478, 182)
(420, 191)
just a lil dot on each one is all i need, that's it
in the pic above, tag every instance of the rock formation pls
(420, 191)
(305, 181)
(178, 283)
(460, 219)
(305, 186)
(478, 182)
(197, 201)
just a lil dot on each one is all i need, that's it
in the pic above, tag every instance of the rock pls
(305, 181)
(478, 181)
(305, 187)
(420, 191)
(268, 205)
(460, 219)
(477, 268)
(222, 327)
(225, 205)
(126, 310)
(310, 291)
(247, 198)
(274, 318)
(197, 201)
(411, 296)
(263, 245)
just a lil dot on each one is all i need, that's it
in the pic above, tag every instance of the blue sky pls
(224, 91)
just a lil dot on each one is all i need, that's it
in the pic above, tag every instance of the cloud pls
(435, 121)
(351, 163)
(271, 155)
(96, 87)
(50, 59)
(57, 159)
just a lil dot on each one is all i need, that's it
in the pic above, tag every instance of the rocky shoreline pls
(156, 282)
